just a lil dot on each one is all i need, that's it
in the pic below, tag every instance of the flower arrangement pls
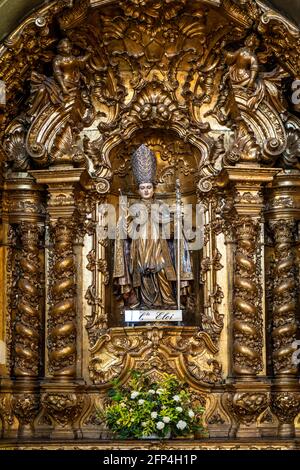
(144, 408)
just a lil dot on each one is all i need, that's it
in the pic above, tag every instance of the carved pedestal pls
(24, 212)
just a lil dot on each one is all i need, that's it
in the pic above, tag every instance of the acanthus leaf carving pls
(150, 349)
(26, 407)
(286, 406)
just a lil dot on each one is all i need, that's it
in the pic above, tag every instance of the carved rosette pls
(247, 324)
(28, 319)
(63, 408)
(284, 326)
(26, 407)
(62, 312)
(247, 406)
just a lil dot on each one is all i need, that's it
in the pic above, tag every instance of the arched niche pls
(176, 160)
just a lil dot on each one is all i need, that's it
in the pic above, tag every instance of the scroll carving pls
(62, 313)
(247, 325)
(284, 297)
(14, 145)
(27, 328)
(156, 349)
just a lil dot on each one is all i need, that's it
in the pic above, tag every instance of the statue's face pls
(64, 47)
(146, 190)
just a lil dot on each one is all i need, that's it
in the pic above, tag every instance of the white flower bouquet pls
(144, 408)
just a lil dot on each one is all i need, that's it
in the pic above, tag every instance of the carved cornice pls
(22, 199)
(61, 190)
(283, 197)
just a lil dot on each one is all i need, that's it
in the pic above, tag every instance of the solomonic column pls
(247, 359)
(61, 399)
(27, 327)
(283, 213)
(285, 290)
(248, 394)
(24, 215)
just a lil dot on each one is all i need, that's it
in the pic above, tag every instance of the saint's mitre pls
(144, 165)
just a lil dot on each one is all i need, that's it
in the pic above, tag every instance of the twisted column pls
(247, 324)
(284, 326)
(62, 313)
(28, 319)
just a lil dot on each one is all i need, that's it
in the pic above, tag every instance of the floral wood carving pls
(26, 407)
(286, 406)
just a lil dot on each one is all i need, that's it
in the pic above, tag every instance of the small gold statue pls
(243, 64)
(66, 67)
(65, 85)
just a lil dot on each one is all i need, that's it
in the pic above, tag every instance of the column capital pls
(246, 183)
(22, 199)
(61, 185)
(283, 197)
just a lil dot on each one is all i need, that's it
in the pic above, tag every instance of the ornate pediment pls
(149, 65)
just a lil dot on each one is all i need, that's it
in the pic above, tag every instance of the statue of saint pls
(64, 86)
(244, 72)
(145, 261)
(243, 64)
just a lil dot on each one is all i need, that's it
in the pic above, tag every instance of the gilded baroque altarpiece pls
(207, 86)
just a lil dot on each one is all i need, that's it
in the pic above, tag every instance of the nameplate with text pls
(152, 315)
